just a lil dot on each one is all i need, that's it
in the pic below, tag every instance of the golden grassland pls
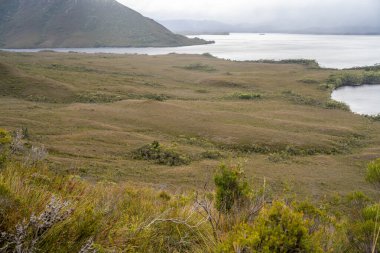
(92, 110)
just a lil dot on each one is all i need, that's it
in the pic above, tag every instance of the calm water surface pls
(361, 99)
(333, 51)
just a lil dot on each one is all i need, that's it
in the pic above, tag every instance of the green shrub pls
(373, 172)
(362, 230)
(332, 104)
(5, 137)
(278, 157)
(358, 199)
(305, 62)
(248, 96)
(277, 229)
(299, 99)
(157, 97)
(160, 155)
(309, 81)
(231, 188)
(5, 140)
(208, 55)
(97, 97)
(212, 154)
(375, 117)
(354, 78)
(199, 67)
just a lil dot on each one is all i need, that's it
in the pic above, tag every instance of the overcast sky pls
(286, 12)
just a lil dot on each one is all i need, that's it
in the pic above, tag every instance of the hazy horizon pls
(295, 14)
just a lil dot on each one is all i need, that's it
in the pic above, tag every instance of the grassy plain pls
(92, 111)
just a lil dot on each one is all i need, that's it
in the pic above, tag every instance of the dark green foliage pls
(5, 140)
(309, 81)
(354, 78)
(373, 117)
(231, 188)
(212, 154)
(305, 62)
(157, 97)
(248, 96)
(94, 98)
(160, 155)
(164, 196)
(332, 104)
(299, 99)
(199, 67)
(375, 67)
(208, 55)
(302, 100)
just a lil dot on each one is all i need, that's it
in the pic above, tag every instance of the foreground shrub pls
(373, 173)
(29, 233)
(160, 155)
(5, 137)
(277, 229)
(363, 232)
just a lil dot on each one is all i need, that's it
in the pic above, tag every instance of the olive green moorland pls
(95, 112)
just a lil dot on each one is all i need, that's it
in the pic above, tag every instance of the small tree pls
(231, 188)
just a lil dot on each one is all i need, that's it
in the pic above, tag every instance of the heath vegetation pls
(183, 153)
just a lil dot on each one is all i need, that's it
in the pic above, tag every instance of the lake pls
(332, 51)
(363, 99)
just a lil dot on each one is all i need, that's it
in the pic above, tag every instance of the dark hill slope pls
(80, 23)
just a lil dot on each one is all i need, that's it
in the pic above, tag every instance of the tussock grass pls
(118, 217)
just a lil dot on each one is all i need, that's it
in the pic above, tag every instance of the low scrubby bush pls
(212, 154)
(248, 96)
(5, 140)
(332, 104)
(160, 155)
(199, 67)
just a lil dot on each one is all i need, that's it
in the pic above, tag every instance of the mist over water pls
(332, 51)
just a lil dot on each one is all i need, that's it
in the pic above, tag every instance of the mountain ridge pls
(81, 23)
